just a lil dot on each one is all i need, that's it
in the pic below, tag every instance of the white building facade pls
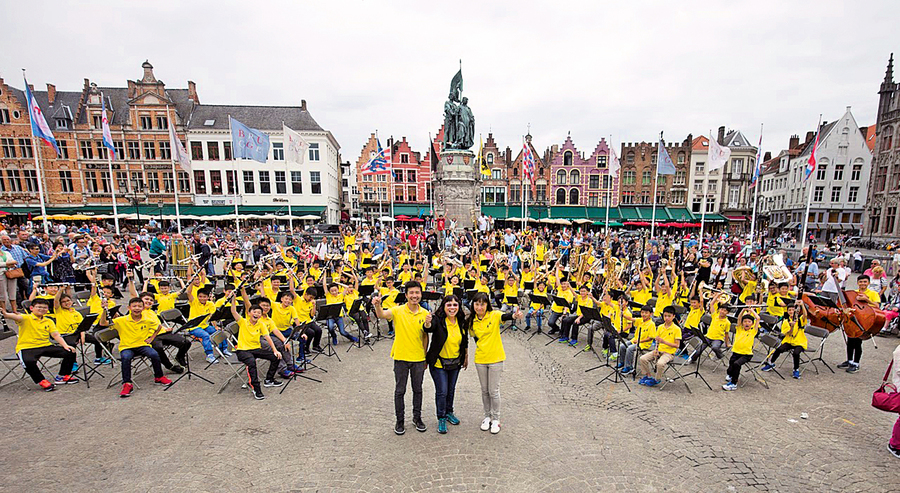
(701, 180)
(312, 187)
(839, 185)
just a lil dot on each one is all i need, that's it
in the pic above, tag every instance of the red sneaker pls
(126, 390)
(162, 381)
(47, 386)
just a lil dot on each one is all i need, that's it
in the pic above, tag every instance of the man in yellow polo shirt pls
(135, 336)
(408, 352)
(35, 331)
(668, 338)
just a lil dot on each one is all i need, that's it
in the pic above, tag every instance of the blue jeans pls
(444, 389)
(538, 314)
(147, 351)
(340, 324)
(203, 334)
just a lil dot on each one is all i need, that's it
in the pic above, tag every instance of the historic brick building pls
(576, 180)
(539, 197)
(139, 117)
(410, 185)
(638, 174)
(496, 188)
(884, 189)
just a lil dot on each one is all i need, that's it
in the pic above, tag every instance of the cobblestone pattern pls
(561, 432)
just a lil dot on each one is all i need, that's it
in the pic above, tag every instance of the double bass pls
(859, 320)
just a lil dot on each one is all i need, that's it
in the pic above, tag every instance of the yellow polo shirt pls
(409, 334)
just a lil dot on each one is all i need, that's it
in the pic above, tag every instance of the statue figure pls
(451, 116)
(459, 123)
(465, 134)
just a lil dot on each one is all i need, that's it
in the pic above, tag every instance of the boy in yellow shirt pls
(536, 310)
(35, 332)
(249, 349)
(644, 335)
(794, 339)
(668, 339)
(136, 332)
(742, 352)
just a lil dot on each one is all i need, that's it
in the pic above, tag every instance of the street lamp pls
(160, 206)
(136, 197)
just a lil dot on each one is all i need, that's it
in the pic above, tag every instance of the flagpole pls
(377, 191)
(35, 148)
(810, 187)
(609, 185)
(237, 220)
(391, 192)
(524, 189)
(703, 204)
(112, 180)
(655, 188)
(431, 174)
(287, 174)
(175, 181)
(758, 174)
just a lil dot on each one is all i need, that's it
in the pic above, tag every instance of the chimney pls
(794, 142)
(51, 93)
(809, 137)
(767, 156)
(721, 137)
(192, 92)
(302, 105)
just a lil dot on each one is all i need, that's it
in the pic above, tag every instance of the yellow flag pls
(484, 167)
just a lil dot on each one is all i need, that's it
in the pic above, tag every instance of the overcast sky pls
(595, 69)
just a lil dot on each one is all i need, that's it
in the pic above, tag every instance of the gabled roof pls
(823, 134)
(737, 139)
(700, 143)
(259, 117)
(870, 137)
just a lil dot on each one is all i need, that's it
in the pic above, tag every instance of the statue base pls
(457, 188)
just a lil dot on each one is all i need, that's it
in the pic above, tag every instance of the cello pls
(859, 320)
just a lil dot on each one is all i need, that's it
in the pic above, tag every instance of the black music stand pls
(194, 322)
(434, 295)
(86, 323)
(590, 314)
(514, 303)
(300, 352)
(498, 284)
(332, 311)
(528, 285)
(544, 301)
(469, 284)
(615, 376)
(355, 307)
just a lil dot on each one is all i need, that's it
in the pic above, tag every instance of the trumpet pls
(188, 260)
(706, 293)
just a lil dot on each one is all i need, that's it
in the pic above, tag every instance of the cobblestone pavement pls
(561, 432)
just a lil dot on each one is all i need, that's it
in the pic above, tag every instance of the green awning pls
(415, 210)
(568, 212)
(494, 211)
(612, 224)
(715, 218)
(681, 214)
(629, 213)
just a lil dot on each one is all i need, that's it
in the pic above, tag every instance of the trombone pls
(706, 293)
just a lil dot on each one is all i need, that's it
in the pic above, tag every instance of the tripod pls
(302, 355)
(360, 340)
(614, 376)
(696, 371)
(332, 311)
(187, 367)
(589, 315)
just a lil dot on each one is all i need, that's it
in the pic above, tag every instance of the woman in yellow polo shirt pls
(446, 355)
(489, 356)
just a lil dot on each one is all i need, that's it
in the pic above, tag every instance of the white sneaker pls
(495, 426)
(210, 358)
(486, 424)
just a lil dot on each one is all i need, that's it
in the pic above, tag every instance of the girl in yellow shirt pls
(794, 339)
(489, 356)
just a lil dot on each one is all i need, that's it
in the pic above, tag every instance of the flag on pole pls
(758, 167)
(614, 164)
(433, 156)
(295, 145)
(38, 123)
(485, 170)
(718, 155)
(379, 163)
(107, 135)
(811, 163)
(248, 143)
(528, 166)
(179, 154)
(664, 164)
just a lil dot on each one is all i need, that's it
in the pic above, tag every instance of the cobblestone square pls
(561, 432)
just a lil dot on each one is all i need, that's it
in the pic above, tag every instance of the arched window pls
(575, 177)
(888, 138)
(561, 177)
(515, 172)
(567, 158)
(573, 196)
(490, 158)
(560, 196)
(645, 178)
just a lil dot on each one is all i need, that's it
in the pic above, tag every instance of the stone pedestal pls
(457, 187)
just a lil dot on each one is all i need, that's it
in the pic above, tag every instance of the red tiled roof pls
(870, 137)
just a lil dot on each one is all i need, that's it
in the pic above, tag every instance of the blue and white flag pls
(248, 143)
(107, 135)
(664, 164)
(379, 163)
(38, 123)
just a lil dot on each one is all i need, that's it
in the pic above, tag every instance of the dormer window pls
(62, 124)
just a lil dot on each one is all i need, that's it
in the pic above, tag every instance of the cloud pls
(626, 69)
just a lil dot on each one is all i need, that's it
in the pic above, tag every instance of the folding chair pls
(819, 351)
(231, 362)
(82, 296)
(12, 363)
(770, 342)
(673, 366)
(231, 333)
